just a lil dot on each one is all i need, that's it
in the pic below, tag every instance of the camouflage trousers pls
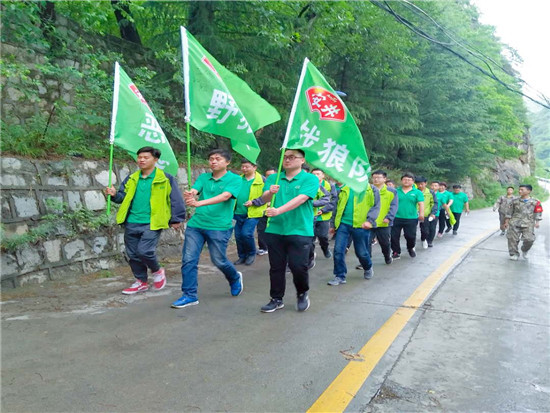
(515, 234)
(502, 218)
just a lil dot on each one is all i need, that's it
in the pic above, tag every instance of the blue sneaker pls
(184, 301)
(238, 286)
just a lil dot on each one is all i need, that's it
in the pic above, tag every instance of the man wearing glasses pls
(289, 231)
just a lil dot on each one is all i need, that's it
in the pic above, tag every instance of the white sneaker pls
(524, 254)
(159, 279)
(514, 257)
(425, 244)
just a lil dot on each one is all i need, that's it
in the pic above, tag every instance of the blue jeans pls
(361, 241)
(244, 235)
(192, 247)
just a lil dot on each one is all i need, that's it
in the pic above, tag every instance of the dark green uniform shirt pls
(299, 221)
(218, 216)
(140, 211)
(407, 203)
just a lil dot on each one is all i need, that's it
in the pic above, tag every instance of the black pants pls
(141, 248)
(443, 221)
(292, 250)
(262, 223)
(457, 223)
(427, 230)
(383, 235)
(409, 229)
(320, 231)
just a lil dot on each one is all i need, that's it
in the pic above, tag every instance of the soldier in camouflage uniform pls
(502, 204)
(522, 217)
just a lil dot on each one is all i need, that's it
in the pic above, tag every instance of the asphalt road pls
(480, 342)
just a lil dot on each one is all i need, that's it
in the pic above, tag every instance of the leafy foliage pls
(418, 107)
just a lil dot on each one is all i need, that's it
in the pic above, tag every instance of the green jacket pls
(256, 191)
(366, 206)
(321, 202)
(167, 204)
(431, 204)
(388, 206)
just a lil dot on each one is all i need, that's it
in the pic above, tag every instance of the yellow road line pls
(345, 386)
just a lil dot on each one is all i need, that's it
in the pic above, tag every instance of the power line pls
(447, 46)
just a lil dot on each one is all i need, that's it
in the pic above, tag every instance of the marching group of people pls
(288, 215)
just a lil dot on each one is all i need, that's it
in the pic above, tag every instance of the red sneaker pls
(159, 278)
(136, 287)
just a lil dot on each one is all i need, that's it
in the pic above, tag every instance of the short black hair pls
(153, 151)
(244, 160)
(317, 169)
(511, 187)
(420, 178)
(380, 172)
(407, 175)
(271, 168)
(297, 150)
(529, 187)
(435, 182)
(390, 181)
(456, 186)
(443, 183)
(219, 151)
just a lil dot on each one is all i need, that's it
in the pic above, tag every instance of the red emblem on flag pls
(329, 106)
(210, 65)
(136, 91)
(538, 208)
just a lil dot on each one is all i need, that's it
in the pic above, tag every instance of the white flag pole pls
(187, 118)
(116, 88)
(289, 125)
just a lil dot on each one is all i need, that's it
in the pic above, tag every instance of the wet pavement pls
(480, 342)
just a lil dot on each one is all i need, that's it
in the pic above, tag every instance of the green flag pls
(134, 126)
(218, 102)
(321, 125)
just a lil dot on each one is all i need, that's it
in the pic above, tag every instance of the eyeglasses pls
(292, 157)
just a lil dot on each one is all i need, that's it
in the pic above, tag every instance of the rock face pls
(511, 171)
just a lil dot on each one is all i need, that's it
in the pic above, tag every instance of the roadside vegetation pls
(419, 107)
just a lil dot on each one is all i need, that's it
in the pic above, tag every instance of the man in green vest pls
(445, 200)
(323, 205)
(150, 202)
(460, 201)
(262, 223)
(409, 212)
(389, 203)
(431, 208)
(356, 214)
(289, 230)
(212, 224)
(246, 213)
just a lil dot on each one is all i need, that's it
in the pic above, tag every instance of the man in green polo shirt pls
(212, 224)
(289, 231)
(150, 202)
(460, 200)
(409, 212)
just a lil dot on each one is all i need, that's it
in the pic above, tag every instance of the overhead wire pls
(448, 46)
(468, 47)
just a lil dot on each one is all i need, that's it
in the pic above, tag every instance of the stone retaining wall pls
(26, 187)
